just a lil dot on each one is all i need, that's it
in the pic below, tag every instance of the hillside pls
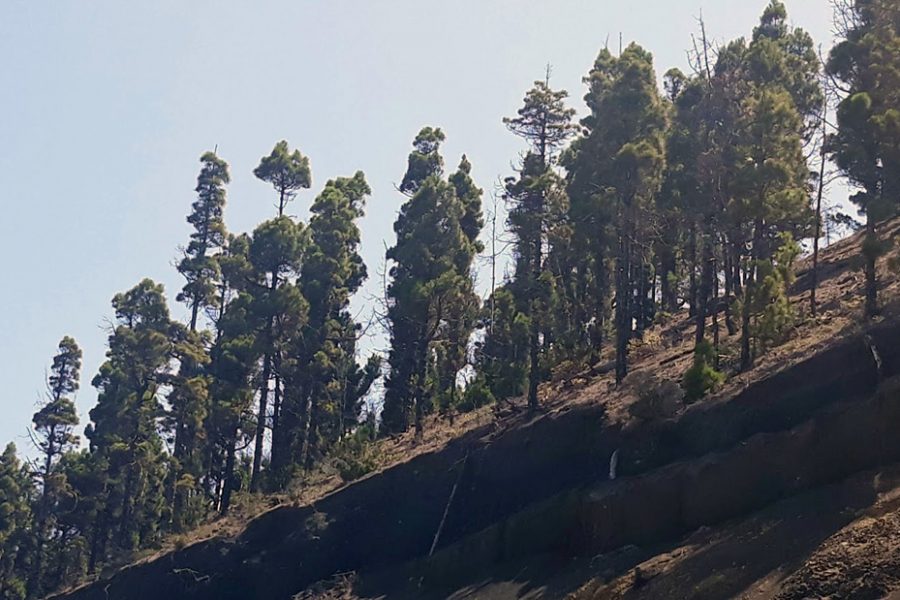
(706, 503)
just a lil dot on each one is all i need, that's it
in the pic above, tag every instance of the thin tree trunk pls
(692, 270)
(228, 475)
(871, 241)
(264, 388)
(312, 435)
(261, 423)
(419, 379)
(749, 291)
(703, 292)
(818, 234)
(623, 293)
(715, 312)
(534, 340)
(729, 288)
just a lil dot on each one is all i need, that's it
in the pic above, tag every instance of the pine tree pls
(15, 519)
(427, 284)
(82, 479)
(234, 369)
(502, 356)
(199, 266)
(287, 172)
(234, 359)
(54, 425)
(867, 64)
(590, 214)
(124, 429)
(276, 253)
(332, 272)
(770, 187)
(544, 122)
(189, 398)
(617, 168)
(452, 352)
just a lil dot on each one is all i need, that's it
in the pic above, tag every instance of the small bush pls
(702, 378)
(657, 398)
(355, 456)
(477, 394)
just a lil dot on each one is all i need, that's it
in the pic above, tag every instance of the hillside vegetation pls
(659, 358)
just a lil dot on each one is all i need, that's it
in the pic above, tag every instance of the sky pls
(106, 107)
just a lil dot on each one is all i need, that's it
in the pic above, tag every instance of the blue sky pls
(106, 106)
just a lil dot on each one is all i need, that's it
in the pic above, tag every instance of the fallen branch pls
(437, 535)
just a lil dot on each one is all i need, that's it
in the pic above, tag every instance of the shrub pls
(771, 306)
(477, 394)
(355, 456)
(657, 398)
(702, 378)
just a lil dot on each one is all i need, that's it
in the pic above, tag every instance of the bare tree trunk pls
(715, 311)
(749, 290)
(534, 340)
(869, 251)
(818, 234)
(703, 292)
(623, 299)
(692, 269)
(228, 475)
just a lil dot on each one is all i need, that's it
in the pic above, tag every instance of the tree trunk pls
(419, 383)
(818, 233)
(869, 252)
(715, 311)
(312, 435)
(623, 293)
(729, 288)
(261, 422)
(601, 284)
(534, 340)
(264, 391)
(749, 290)
(228, 475)
(692, 270)
(703, 293)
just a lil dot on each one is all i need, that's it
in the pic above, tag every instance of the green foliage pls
(286, 171)
(424, 161)
(431, 302)
(536, 196)
(615, 171)
(659, 198)
(477, 394)
(123, 433)
(774, 315)
(55, 421)
(702, 377)
(866, 147)
(325, 385)
(15, 518)
(502, 357)
(199, 266)
(54, 436)
(356, 455)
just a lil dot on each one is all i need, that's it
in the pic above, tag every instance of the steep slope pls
(532, 493)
